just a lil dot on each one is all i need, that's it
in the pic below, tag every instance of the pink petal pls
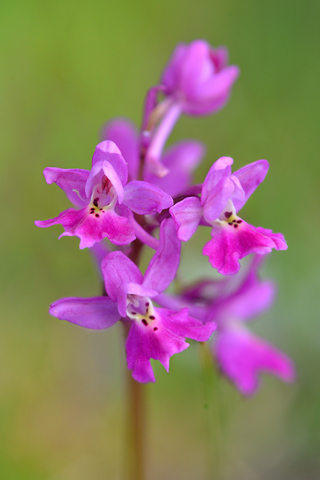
(250, 177)
(71, 181)
(187, 215)
(96, 313)
(232, 242)
(242, 356)
(144, 198)
(219, 170)
(164, 264)
(93, 228)
(108, 151)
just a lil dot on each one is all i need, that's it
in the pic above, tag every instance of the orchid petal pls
(118, 270)
(96, 313)
(144, 198)
(143, 343)
(165, 262)
(242, 356)
(71, 181)
(218, 199)
(220, 169)
(187, 215)
(250, 177)
(185, 326)
(103, 168)
(107, 151)
(231, 242)
(91, 229)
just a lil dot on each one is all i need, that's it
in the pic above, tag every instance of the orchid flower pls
(196, 81)
(223, 194)
(105, 199)
(154, 332)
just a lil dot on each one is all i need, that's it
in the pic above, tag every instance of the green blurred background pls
(66, 68)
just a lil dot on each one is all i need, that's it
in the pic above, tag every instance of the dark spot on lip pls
(155, 329)
(227, 214)
(95, 201)
(236, 226)
(230, 223)
(147, 304)
(91, 213)
(239, 221)
(152, 317)
(144, 321)
(133, 313)
(97, 215)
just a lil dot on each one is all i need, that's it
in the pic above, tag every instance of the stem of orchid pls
(135, 466)
(212, 414)
(135, 402)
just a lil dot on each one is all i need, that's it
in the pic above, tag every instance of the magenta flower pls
(180, 160)
(196, 81)
(156, 333)
(241, 355)
(223, 195)
(105, 199)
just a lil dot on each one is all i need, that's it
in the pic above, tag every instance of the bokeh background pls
(66, 67)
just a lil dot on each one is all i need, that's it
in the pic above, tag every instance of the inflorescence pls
(133, 190)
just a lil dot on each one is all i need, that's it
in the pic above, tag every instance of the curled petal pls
(144, 198)
(107, 151)
(119, 271)
(242, 356)
(214, 93)
(96, 313)
(187, 215)
(232, 242)
(71, 181)
(100, 169)
(218, 199)
(219, 170)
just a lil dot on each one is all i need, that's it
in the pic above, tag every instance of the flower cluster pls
(134, 190)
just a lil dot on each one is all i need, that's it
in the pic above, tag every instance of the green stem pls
(212, 405)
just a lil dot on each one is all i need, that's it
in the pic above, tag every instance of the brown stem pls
(135, 466)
